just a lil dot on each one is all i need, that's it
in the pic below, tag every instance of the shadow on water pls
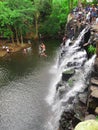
(24, 82)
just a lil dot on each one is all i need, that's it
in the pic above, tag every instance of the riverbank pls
(6, 48)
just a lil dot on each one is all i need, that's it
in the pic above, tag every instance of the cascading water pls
(71, 57)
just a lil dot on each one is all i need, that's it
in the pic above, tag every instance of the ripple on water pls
(22, 104)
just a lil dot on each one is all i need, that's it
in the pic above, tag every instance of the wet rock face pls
(96, 110)
(93, 97)
(94, 82)
(70, 64)
(83, 97)
(66, 120)
(93, 104)
(95, 72)
(71, 117)
(78, 103)
(87, 36)
(59, 85)
(90, 116)
(94, 93)
(67, 74)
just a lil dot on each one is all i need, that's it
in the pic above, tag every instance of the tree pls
(17, 17)
(57, 19)
(4, 20)
(42, 11)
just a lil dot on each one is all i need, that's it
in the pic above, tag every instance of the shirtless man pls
(42, 49)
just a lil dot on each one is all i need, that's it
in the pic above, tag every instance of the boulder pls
(90, 116)
(93, 88)
(93, 100)
(92, 103)
(67, 74)
(60, 84)
(73, 64)
(83, 97)
(94, 93)
(94, 81)
(96, 110)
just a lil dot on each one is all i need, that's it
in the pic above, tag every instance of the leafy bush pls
(91, 49)
(96, 117)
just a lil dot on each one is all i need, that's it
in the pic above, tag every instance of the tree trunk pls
(79, 3)
(17, 38)
(12, 37)
(21, 37)
(85, 2)
(70, 2)
(36, 24)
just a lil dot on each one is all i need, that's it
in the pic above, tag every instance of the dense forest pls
(21, 17)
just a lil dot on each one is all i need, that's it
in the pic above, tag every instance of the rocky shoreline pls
(12, 48)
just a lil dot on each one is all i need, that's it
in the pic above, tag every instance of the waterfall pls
(74, 57)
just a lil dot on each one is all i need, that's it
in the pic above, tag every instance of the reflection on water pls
(24, 83)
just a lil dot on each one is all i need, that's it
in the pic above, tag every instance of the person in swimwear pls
(42, 49)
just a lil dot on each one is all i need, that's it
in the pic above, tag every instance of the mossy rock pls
(87, 125)
(70, 82)
(67, 74)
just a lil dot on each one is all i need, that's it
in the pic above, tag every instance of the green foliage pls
(50, 29)
(97, 118)
(91, 49)
(7, 33)
(45, 9)
(94, 2)
(56, 21)
(49, 16)
(15, 14)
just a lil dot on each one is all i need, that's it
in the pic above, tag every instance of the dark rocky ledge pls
(86, 106)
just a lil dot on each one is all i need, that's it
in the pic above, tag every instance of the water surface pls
(24, 85)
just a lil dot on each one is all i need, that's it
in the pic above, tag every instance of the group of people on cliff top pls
(82, 16)
(88, 13)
